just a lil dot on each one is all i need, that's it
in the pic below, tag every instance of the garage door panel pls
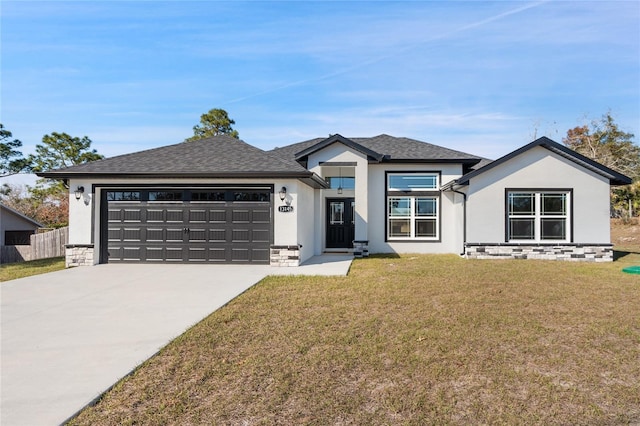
(115, 253)
(174, 254)
(132, 215)
(174, 216)
(240, 216)
(260, 255)
(132, 253)
(260, 236)
(114, 215)
(174, 235)
(218, 216)
(155, 215)
(197, 235)
(197, 216)
(217, 254)
(115, 234)
(132, 234)
(261, 216)
(197, 254)
(240, 236)
(154, 254)
(240, 254)
(217, 235)
(155, 234)
(214, 231)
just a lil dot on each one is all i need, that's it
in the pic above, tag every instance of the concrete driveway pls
(68, 336)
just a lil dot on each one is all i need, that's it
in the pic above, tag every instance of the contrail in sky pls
(396, 53)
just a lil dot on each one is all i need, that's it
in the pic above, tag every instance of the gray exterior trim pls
(338, 163)
(560, 244)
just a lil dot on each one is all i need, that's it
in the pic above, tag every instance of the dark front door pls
(340, 222)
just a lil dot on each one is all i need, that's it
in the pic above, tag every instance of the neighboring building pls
(220, 200)
(15, 228)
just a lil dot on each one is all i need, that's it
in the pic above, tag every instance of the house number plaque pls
(285, 209)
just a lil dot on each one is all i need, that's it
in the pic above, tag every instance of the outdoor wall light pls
(78, 192)
(283, 193)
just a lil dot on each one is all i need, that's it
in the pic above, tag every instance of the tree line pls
(48, 201)
(602, 140)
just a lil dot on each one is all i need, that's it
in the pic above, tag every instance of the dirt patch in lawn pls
(408, 340)
(625, 235)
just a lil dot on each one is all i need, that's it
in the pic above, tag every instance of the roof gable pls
(386, 148)
(614, 177)
(16, 213)
(371, 155)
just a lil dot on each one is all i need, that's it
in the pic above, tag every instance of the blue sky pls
(480, 77)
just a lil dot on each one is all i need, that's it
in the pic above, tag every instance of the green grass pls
(404, 340)
(12, 271)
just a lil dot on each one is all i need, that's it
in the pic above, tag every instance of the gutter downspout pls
(464, 216)
(464, 221)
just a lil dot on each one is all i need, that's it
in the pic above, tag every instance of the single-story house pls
(221, 200)
(15, 228)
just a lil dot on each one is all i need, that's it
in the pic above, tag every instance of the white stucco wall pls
(295, 228)
(338, 152)
(538, 168)
(450, 212)
(306, 217)
(80, 211)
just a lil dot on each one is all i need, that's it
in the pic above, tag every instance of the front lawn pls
(404, 340)
(12, 271)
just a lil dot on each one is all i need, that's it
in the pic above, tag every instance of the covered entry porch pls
(344, 206)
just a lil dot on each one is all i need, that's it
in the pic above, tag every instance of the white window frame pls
(538, 216)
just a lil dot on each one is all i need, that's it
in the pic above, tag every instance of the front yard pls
(405, 340)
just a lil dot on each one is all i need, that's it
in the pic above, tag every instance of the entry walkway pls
(326, 264)
(68, 336)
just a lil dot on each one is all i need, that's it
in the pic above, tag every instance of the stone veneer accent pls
(570, 252)
(361, 248)
(78, 255)
(285, 256)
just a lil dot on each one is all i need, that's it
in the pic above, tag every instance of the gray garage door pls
(188, 225)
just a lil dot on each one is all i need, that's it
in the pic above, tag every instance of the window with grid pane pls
(538, 216)
(412, 217)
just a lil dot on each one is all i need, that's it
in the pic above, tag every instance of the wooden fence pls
(43, 246)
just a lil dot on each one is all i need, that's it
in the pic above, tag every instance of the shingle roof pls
(210, 157)
(224, 156)
(392, 149)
